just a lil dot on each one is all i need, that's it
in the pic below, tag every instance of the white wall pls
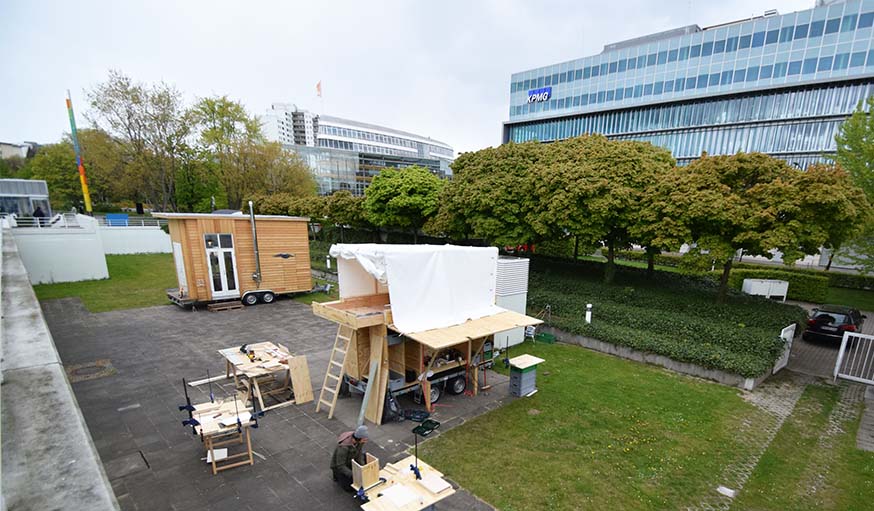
(62, 255)
(515, 303)
(135, 240)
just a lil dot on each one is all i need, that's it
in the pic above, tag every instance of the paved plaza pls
(154, 463)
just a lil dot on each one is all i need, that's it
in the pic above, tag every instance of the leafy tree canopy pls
(404, 198)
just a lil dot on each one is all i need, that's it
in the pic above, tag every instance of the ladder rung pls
(330, 404)
(336, 363)
(329, 389)
(329, 375)
(340, 351)
(344, 338)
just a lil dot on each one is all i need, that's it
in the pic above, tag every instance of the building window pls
(816, 28)
(744, 41)
(801, 31)
(758, 39)
(832, 25)
(849, 23)
(771, 36)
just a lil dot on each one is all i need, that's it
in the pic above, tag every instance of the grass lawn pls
(797, 461)
(631, 264)
(139, 280)
(320, 297)
(858, 298)
(601, 433)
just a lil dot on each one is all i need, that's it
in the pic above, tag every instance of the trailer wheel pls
(250, 299)
(436, 392)
(268, 297)
(457, 385)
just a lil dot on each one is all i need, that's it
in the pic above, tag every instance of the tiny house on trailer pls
(236, 256)
(412, 318)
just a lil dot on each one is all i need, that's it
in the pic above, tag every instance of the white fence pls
(788, 335)
(856, 358)
(135, 240)
(62, 254)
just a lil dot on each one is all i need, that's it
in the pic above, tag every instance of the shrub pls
(803, 287)
(835, 278)
(660, 259)
(669, 314)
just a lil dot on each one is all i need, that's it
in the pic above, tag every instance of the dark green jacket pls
(347, 450)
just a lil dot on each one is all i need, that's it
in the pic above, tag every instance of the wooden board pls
(377, 343)
(439, 338)
(300, 379)
(365, 475)
(399, 476)
(525, 361)
(396, 359)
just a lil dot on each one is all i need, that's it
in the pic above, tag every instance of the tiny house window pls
(226, 241)
(211, 240)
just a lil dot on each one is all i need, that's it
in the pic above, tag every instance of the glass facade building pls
(778, 84)
(338, 169)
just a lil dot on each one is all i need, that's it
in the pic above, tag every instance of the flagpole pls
(74, 135)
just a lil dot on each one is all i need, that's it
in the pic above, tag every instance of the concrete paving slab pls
(153, 348)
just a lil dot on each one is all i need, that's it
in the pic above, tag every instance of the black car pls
(829, 322)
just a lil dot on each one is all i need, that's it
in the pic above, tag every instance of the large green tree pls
(344, 209)
(151, 123)
(595, 189)
(56, 165)
(855, 142)
(492, 196)
(756, 203)
(403, 198)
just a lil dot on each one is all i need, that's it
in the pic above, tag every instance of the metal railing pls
(59, 221)
(856, 358)
(131, 221)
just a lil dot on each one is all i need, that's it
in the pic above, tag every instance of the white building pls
(288, 124)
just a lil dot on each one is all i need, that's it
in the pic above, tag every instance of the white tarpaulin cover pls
(430, 286)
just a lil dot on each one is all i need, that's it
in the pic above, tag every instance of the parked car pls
(829, 322)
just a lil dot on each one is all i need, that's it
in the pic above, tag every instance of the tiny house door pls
(181, 277)
(222, 265)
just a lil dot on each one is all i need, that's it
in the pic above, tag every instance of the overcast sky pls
(440, 68)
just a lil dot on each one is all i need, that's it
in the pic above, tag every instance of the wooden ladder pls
(336, 364)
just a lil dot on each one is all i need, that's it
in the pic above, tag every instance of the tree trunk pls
(576, 247)
(650, 261)
(830, 257)
(723, 282)
(415, 236)
(610, 268)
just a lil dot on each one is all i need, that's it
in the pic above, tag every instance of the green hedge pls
(660, 259)
(669, 314)
(802, 286)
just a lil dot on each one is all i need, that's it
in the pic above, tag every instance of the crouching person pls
(350, 446)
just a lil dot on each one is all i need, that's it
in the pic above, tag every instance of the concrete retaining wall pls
(62, 255)
(726, 378)
(48, 457)
(135, 240)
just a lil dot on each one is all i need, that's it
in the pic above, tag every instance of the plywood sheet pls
(300, 379)
(439, 338)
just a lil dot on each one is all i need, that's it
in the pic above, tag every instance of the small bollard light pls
(588, 313)
(328, 261)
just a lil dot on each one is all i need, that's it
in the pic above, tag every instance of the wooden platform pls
(224, 306)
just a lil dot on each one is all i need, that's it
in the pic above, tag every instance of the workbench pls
(401, 491)
(270, 361)
(221, 423)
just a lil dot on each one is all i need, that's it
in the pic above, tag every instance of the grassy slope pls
(137, 280)
(610, 434)
(782, 479)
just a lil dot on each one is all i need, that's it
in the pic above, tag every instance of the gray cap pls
(361, 433)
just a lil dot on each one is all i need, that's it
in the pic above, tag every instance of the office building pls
(346, 154)
(777, 84)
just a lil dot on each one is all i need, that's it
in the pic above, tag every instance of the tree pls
(855, 142)
(151, 123)
(594, 189)
(757, 204)
(492, 196)
(263, 167)
(404, 198)
(56, 165)
(104, 159)
(343, 208)
(14, 167)
(233, 138)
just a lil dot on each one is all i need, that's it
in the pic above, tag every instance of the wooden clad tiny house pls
(215, 256)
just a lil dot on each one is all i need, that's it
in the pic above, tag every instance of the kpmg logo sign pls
(539, 95)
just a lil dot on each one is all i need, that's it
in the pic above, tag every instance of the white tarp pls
(430, 286)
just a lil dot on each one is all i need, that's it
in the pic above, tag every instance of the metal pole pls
(257, 275)
(74, 135)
